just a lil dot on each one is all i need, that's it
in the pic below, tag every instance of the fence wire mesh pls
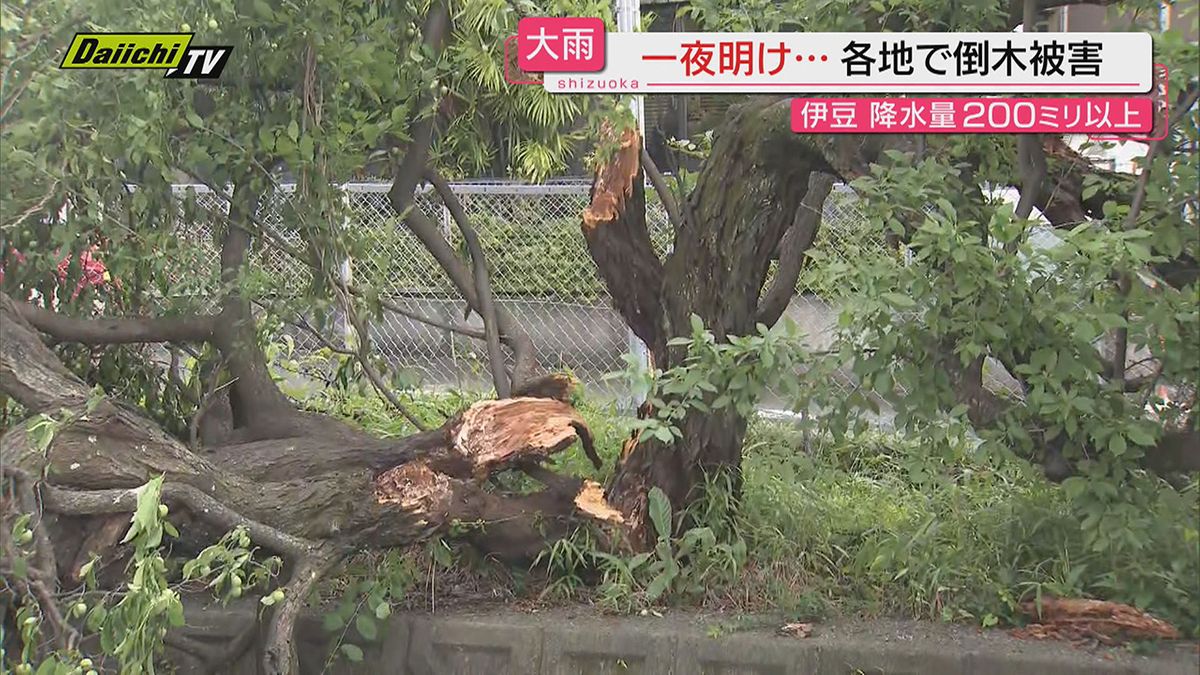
(540, 270)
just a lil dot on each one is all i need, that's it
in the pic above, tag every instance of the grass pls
(878, 525)
(886, 526)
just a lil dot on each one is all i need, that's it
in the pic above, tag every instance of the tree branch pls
(483, 285)
(794, 247)
(614, 228)
(1030, 156)
(203, 506)
(125, 330)
(1125, 283)
(511, 333)
(279, 657)
(363, 354)
(258, 406)
(434, 33)
(662, 189)
(461, 329)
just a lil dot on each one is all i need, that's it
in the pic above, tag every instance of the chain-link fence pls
(540, 272)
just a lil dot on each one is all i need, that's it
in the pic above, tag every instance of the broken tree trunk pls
(312, 498)
(746, 198)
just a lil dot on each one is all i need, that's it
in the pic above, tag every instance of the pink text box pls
(560, 45)
(1088, 115)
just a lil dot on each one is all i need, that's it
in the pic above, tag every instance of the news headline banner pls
(1090, 115)
(576, 55)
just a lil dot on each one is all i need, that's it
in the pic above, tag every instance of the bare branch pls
(663, 190)
(363, 355)
(408, 174)
(793, 249)
(461, 329)
(1031, 158)
(511, 334)
(483, 284)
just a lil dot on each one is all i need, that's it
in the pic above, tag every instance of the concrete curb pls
(562, 643)
(519, 644)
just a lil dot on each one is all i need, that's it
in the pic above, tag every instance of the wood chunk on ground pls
(1081, 621)
(796, 630)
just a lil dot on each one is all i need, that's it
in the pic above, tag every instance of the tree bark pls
(746, 197)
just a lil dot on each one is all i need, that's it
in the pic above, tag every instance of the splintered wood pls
(614, 181)
(495, 434)
(590, 501)
(1084, 621)
(488, 437)
(415, 488)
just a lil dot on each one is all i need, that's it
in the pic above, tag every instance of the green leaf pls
(352, 652)
(1140, 435)
(263, 9)
(1116, 445)
(366, 627)
(293, 131)
(659, 585)
(145, 518)
(175, 613)
(332, 622)
(194, 119)
(899, 300)
(383, 611)
(660, 512)
(266, 139)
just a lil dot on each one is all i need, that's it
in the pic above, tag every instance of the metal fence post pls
(346, 272)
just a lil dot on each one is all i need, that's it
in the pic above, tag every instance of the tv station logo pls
(172, 52)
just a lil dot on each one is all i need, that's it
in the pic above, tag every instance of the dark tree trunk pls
(746, 198)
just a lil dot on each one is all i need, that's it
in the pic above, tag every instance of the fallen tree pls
(312, 498)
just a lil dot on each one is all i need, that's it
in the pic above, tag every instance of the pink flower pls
(95, 274)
